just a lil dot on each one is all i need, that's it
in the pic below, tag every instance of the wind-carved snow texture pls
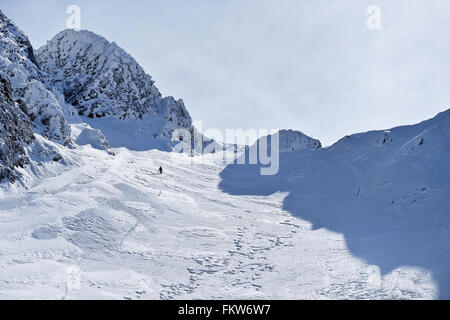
(136, 234)
(103, 82)
(31, 93)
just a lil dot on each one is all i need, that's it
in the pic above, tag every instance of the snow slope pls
(135, 234)
(386, 192)
(367, 218)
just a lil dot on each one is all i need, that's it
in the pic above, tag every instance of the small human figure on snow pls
(160, 170)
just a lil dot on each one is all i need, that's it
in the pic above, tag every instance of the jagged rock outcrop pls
(28, 105)
(32, 94)
(101, 80)
(15, 132)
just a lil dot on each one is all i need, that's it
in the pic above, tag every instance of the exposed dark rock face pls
(28, 104)
(34, 96)
(15, 133)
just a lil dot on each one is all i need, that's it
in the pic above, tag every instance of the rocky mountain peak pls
(101, 80)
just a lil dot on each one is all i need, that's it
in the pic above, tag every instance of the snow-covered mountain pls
(82, 78)
(387, 192)
(367, 218)
(289, 141)
(29, 105)
(105, 84)
(33, 95)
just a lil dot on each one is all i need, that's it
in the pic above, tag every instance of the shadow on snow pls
(391, 214)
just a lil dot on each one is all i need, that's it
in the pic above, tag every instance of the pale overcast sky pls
(309, 65)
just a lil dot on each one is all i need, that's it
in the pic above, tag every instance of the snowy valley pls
(83, 130)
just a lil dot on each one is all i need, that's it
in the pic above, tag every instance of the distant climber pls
(160, 170)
